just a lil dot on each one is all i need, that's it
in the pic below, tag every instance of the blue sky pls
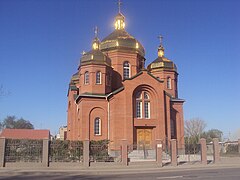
(41, 44)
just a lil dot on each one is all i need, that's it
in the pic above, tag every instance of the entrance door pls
(144, 138)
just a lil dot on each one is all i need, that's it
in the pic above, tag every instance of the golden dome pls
(95, 56)
(162, 63)
(120, 39)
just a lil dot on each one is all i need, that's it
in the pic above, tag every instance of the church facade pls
(113, 96)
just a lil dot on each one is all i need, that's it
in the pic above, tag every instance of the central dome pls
(120, 39)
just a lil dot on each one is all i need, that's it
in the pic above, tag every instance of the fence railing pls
(45, 152)
(192, 153)
(23, 150)
(230, 149)
(99, 152)
(65, 151)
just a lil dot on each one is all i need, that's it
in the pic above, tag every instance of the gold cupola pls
(96, 41)
(162, 62)
(120, 38)
(119, 22)
(160, 48)
(95, 56)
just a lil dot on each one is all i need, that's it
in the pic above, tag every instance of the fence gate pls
(141, 152)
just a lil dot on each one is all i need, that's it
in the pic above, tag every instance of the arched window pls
(169, 83)
(86, 77)
(146, 106)
(139, 105)
(142, 98)
(98, 77)
(126, 70)
(97, 126)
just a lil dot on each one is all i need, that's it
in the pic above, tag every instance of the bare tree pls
(194, 127)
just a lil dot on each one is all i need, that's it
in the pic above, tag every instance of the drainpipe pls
(108, 116)
(108, 120)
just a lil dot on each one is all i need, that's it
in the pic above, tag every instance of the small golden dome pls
(119, 22)
(162, 62)
(95, 56)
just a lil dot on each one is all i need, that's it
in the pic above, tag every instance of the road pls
(201, 174)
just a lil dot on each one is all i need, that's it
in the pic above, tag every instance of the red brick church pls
(113, 96)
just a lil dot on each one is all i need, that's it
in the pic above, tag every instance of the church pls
(115, 96)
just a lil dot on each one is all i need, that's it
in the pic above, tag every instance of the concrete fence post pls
(2, 151)
(239, 146)
(216, 152)
(203, 151)
(174, 152)
(86, 153)
(159, 149)
(45, 153)
(124, 152)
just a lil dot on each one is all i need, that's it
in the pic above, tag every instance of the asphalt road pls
(204, 174)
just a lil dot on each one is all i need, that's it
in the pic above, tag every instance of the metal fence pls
(192, 153)
(230, 149)
(65, 151)
(23, 150)
(141, 152)
(99, 152)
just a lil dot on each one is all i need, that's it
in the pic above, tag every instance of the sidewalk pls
(139, 167)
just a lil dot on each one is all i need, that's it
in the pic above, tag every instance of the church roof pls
(162, 63)
(122, 39)
(95, 57)
(25, 134)
(118, 34)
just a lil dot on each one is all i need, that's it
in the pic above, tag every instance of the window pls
(97, 126)
(146, 106)
(169, 83)
(98, 77)
(139, 105)
(142, 98)
(86, 77)
(126, 70)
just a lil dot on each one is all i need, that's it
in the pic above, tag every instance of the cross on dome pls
(96, 42)
(160, 37)
(119, 20)
(119, 6)
(96, 32)
(160, 48)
